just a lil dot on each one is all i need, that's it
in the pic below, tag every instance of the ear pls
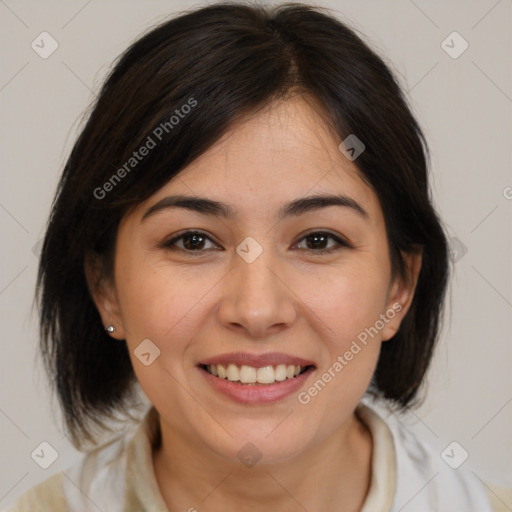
(401, 294)
(103, 293)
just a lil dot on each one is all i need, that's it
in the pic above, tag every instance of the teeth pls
(266, 375)
(250, 375)
(221, 371)
(247, 374)
(233, 373)
(280, 372)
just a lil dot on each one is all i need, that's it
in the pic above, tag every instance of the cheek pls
(346, 311)
(161, 304)
(346, 304)
(158, 305)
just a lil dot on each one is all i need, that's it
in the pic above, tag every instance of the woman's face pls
(256, 289)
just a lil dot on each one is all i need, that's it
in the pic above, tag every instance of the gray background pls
(464, 105)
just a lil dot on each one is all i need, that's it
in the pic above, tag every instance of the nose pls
(256, 299)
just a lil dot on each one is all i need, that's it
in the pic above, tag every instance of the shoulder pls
(48, 495)
(70, 488)
(500, 497)
(109, 476)
(427, 478)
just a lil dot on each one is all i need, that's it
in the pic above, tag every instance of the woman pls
(244, 229)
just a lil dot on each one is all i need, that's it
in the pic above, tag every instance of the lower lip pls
(257, 393)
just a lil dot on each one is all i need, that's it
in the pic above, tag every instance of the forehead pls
(273, 156)
(286, 139)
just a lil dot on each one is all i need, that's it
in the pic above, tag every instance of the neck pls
(334, 475)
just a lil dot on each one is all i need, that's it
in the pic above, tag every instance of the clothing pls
(407, 476)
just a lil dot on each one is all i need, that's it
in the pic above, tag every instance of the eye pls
(317, 240)
(195, 242)
(191, 241)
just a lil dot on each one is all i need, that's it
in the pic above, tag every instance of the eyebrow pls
(217, 209)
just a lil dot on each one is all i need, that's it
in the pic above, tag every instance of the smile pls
(251, 375)
(252, 379)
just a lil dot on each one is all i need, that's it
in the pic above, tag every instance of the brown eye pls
(317, 242)
(191, 241)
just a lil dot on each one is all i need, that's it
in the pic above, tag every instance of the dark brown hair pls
(230, 59)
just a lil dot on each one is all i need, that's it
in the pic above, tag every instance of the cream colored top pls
(407, 476)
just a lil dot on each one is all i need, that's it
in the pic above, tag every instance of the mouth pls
(250, 375)
(256, 379)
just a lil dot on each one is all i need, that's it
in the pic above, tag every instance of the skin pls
(305, 303)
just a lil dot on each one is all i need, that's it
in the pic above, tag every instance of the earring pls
(110, 329)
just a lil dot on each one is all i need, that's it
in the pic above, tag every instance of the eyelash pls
(170, 244)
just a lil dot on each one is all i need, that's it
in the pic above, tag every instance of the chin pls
(266, 443)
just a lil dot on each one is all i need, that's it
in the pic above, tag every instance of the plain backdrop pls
(463, 104)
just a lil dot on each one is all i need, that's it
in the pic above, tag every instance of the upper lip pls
(257, 360)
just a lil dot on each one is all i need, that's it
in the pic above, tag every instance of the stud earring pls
(110, 329)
